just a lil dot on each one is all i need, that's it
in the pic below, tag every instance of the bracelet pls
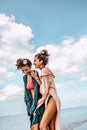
(37, 78)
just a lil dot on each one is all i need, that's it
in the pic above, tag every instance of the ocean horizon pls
(71, 119)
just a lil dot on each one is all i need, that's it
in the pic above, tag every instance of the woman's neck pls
(42, 66)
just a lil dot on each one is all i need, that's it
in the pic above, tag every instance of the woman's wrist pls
(37, 78)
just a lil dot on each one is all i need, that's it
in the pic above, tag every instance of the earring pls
(40, 65)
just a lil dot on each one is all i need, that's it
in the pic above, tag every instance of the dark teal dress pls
(32, 103)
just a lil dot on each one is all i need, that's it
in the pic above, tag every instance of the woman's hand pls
(34, 74)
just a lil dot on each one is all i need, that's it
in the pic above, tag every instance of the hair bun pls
(44, 52)
(19, 61)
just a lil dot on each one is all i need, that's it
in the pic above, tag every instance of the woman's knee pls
(43, 126)
(34, 127)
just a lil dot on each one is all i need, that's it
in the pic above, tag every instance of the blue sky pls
(28, 26)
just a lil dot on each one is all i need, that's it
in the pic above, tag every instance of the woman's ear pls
(41, 61)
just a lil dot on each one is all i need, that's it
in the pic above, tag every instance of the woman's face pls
(37, 62)
(26, 69)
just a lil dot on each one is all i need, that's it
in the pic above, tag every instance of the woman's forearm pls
(38, 81)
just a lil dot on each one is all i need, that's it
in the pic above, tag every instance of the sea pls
(71, 119)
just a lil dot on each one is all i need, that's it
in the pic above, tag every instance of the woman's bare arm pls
(35, 76)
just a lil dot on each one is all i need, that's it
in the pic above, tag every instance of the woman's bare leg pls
(52, 122)
(48, 114)
(35, 127)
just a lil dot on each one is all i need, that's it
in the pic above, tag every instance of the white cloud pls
(1, 82)
(68, 59)
(67, 40)
(14, 43)
(83, 79)
(10, 92)
(14, 39)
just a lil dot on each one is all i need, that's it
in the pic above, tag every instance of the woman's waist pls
(48, 91)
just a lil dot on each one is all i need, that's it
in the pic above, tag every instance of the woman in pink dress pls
(51, 116)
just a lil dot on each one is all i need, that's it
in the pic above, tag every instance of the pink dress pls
(48, 88)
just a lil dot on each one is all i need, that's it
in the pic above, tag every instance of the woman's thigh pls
(35, 127)
(49, 112)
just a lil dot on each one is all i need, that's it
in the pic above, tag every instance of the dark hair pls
(23, 62)
(43, 55)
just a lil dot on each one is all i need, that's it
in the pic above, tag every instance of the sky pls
(27, 27)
